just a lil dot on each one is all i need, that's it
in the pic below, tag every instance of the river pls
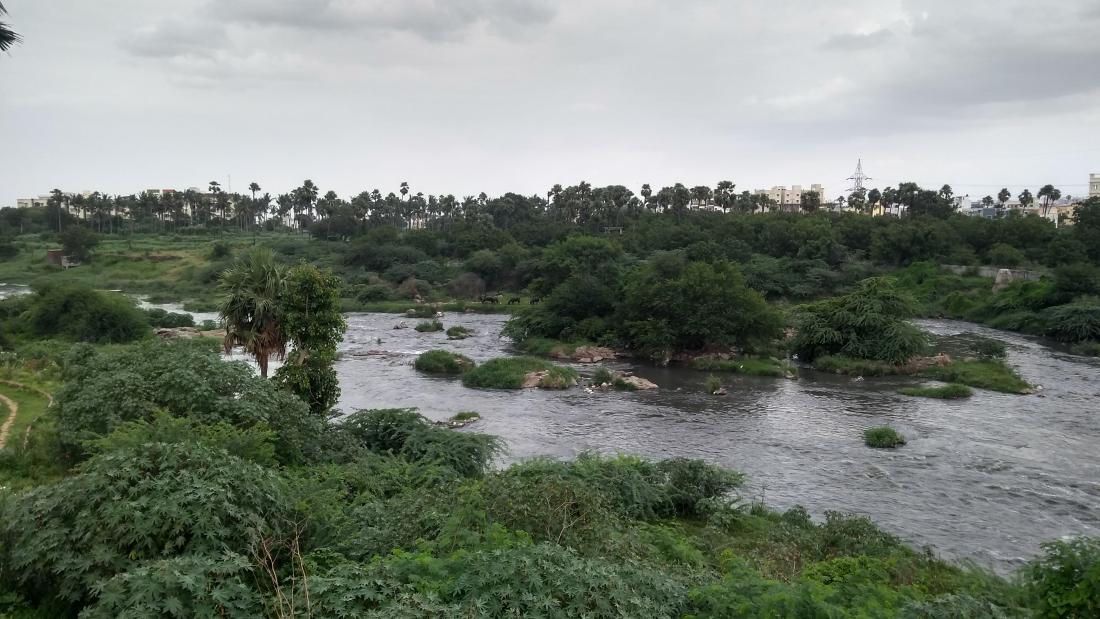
(985, 479)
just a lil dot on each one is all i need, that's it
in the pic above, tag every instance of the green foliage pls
(882, 437)
(749, 366)
(1076, 322)
(713, 384)
(130, 506)
(220, 250)
(255, 444)
(443, 362)
(671, 305)
(310, 318)
(80, 314)
(78, 242)
(1065, 581)
(840, 364)
(602, 376)
(158, 318)
(510, 372)
(194, 585)
(458, 333)
(868, 323)
(953, 391)
(184, 379)
(429, 326)
(993, 375)
(1005, 255)
(405, 433)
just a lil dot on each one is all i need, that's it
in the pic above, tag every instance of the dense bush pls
(443, 362)
(184, 379)
(673, 305)
(130, 506)
(868, 323)
(80, 314)
(1076, 322)
(883, 437)
(1065, 581)
(510, 372)
(159, 318)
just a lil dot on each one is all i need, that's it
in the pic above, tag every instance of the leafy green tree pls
(811, 201)
(78, 242)
(251, 291)
(80, 314)
(868, 323)
(671, 305)
(310, 319)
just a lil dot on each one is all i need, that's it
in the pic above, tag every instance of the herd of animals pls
(495, 299)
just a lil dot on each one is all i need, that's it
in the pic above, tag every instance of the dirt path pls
(6, 428)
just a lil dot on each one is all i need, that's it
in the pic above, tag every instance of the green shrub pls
(406, 433)
(868, 323)
(839, 364)
(1076, 322)
(992, 375)
(621, 385)
(148, 502)
(80, 314)
(882, 437)
(510, 372)
(749, 366)
(458, 333)
(602, 376)
(1065, 581)
(953, 391)
(429, 326)
(443, 362)
(220, 251)
(159, 318)
(1087, 349)
(465, 416)
(713, 384)
(374, 292)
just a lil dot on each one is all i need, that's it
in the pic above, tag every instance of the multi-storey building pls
(1094, 185)
(791, 199)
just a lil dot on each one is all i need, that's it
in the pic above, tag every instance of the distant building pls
(791, 199)
(1094, 185)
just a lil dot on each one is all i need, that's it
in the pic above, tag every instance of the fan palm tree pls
(8, 37)
(1049, 196)
(250, 307)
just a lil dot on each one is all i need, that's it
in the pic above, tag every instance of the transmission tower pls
(859, 178)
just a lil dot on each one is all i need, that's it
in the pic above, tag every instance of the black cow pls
(514, 301)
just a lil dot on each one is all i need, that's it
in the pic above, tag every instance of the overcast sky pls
(466, 96)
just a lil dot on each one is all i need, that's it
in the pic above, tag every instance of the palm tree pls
(1026, 199)
(8, 37)
(1049, 196)
(1003, 196)
(250, 308)
(404, 189)
(646, 192)
(254, 187)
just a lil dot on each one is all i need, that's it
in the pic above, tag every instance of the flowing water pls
(985, 479)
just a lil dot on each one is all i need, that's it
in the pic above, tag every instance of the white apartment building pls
(1094, 185)
(791, 199)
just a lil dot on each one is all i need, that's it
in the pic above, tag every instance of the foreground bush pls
(510, 372)
(953, 391)
(443, 362)
(133, 505)
(1065, 582)
(80, 314)
(159, 318)
(882, 437)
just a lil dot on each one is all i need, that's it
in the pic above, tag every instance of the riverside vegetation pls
(203, 489)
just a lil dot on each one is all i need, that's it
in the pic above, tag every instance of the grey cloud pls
(175, 37)
(858, 41)
(429, 19)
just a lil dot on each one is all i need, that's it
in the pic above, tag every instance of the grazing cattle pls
(490, 300)
(535, 300)
(513, 301)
